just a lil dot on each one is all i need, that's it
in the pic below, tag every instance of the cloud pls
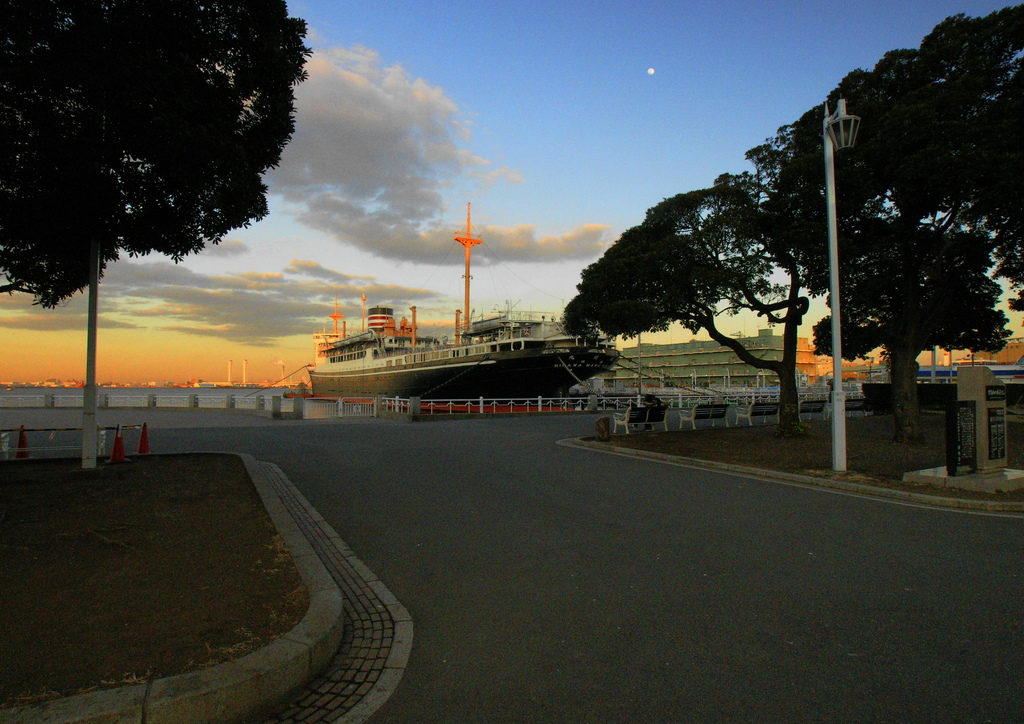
(318, 271)
(226, 248)
(255, 308)
(374, 156)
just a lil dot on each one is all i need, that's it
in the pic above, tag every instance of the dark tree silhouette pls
(140, 125)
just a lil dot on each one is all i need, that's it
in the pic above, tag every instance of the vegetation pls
(695, 257)
(931, 212)
(143, 126)
(930, 217)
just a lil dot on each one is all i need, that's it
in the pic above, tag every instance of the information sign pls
(961, 440)
(996, 433)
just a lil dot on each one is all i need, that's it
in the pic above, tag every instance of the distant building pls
(706, 363)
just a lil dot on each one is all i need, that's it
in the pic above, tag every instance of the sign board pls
(996, 433)
(961, 437)
(995, 393)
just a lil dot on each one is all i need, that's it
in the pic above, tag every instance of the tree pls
(143, 125)
(695, 257)
(930, 208)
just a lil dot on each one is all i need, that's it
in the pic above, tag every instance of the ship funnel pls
(381, 319)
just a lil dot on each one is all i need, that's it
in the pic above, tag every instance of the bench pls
(857, 404)
(703, 412)
(640, 416)
(812, 407)
(758, 409)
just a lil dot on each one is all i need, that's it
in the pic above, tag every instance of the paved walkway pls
(553, 584)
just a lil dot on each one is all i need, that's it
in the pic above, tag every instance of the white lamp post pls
(839, 130)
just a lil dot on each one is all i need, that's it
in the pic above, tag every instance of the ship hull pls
(524, 373)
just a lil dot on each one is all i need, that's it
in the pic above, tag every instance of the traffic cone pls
(143, 441)
(22, 451)
(117, 449)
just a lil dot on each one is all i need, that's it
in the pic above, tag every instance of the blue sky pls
(543, 115)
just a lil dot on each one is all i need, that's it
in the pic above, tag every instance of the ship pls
(946, 373)
(506, 354)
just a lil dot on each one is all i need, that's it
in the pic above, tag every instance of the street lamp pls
(839, 130)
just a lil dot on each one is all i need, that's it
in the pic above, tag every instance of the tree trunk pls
(789, 397)
(905, 409)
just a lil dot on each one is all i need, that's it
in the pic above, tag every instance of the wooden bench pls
(758, 409)
(812, 407)
(640, 416)
(712, 411)
(857, 404)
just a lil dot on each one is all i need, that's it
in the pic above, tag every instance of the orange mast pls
(468, 241)
(336, 316)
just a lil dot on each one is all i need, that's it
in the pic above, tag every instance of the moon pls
(650, 71)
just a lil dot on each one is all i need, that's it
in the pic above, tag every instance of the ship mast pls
(468, 241)
(336, 316)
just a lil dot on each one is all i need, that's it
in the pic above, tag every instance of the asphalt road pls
(553, 584)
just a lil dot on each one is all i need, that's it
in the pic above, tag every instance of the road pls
(553, 584)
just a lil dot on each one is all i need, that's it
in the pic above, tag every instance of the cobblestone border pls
(378, 630)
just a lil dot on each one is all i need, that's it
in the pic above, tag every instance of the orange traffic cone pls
(22, 451)
(117, 449)
(143, 441)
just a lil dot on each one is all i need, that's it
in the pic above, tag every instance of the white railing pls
(173, 401)
(23, 401)
(395, 404)
(357, 407)
(319, 409)
(322, 408)
(480, 405)
(123, 401)
(155, 401)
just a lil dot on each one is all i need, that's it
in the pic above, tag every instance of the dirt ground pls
(133, 571)
(872, 456)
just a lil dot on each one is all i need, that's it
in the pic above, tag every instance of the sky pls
(543, 116)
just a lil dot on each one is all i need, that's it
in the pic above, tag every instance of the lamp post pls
(839, 130)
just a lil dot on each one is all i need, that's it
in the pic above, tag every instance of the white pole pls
(838, 395)
(89, 430)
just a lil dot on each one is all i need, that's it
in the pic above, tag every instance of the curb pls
(809, 480)
(238, 690)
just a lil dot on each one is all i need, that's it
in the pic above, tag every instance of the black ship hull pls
(547, 372)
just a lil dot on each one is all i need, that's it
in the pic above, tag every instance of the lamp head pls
(841, 127)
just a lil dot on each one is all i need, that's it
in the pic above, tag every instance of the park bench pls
(856, 404)
(640, 416)
(711, 411)
(758, 409)
(812, 407)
